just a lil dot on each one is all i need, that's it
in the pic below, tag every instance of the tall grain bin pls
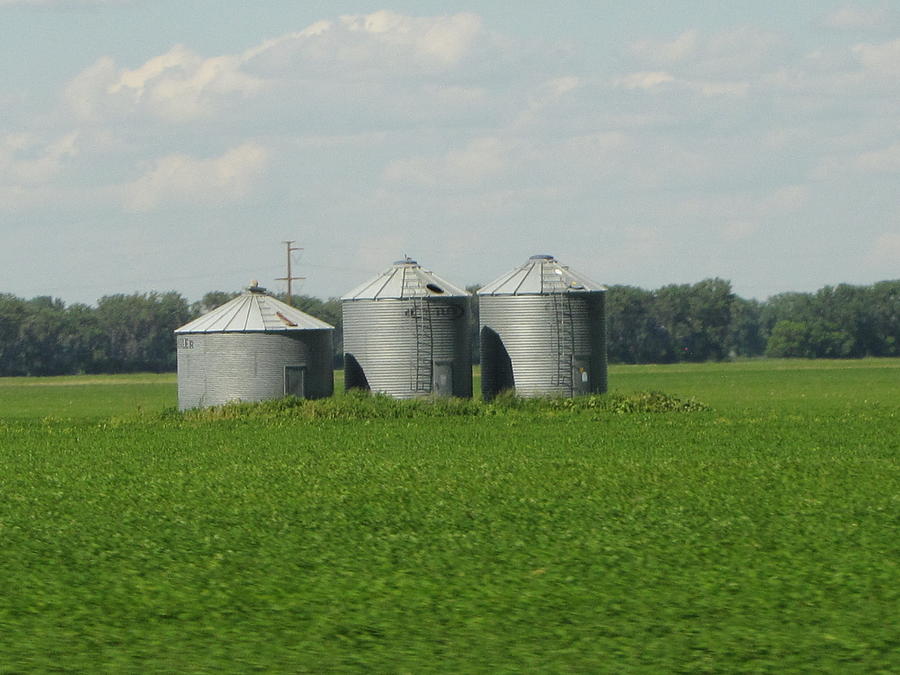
(406, 334)
(252, 348)
(543, 332)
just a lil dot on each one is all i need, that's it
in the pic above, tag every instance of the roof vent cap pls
(254, 287)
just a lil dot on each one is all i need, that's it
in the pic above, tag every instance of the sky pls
(157, 145)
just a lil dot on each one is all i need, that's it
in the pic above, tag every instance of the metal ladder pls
(562, 333)
(421, 315)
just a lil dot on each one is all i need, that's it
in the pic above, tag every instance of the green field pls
(760, 535)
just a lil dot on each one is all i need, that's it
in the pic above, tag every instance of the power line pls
(290, 278)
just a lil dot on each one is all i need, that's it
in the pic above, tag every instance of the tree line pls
(707, 321)
(679, 322)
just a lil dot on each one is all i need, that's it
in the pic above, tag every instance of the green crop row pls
(357, 405)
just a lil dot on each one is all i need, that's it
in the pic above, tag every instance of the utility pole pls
(289, 278)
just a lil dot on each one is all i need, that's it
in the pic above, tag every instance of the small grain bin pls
(406, 334)
(543, 332)
(252, 348)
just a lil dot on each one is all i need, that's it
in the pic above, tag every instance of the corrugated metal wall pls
(398, 342)
(552, 341)
(215, 368)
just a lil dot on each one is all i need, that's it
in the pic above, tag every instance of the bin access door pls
(295, 381)
(581, 375)
(443, 379)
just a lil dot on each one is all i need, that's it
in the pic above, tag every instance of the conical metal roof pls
(253, 312)
(405, 279)
(541, 274)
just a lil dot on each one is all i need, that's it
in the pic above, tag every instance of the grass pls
(757, 535)
(771, 385)
(85, 396)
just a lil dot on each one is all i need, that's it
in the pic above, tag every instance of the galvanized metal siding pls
(319, 362)
(215, 368)
(452, 338)
(383, 341)
(599, 363)
(541, 347)
(384, 338)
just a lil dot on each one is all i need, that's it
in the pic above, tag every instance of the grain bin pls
(252, 348)
(543, 332)
(406, 334)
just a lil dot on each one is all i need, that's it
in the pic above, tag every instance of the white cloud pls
(741, 50)
(376, 42)
(529, 166)
(183, 179)
(787, 199)
(653, 81)
(595, 146)
(453, 95)
(859, 74)
(883, 160)
(744, 212)
(367, 48)
(449, 40)
(469, 166)
(543, 97)
(26, 159)
(725, 54)
(441, 41)
(738, 89)
(883, 58)
(553, 90)
(182, 86)
(12, 144)
(361, 141)
(644, 80)
(855, 18)
(177, 86)
(667, 51)
(87, 91)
